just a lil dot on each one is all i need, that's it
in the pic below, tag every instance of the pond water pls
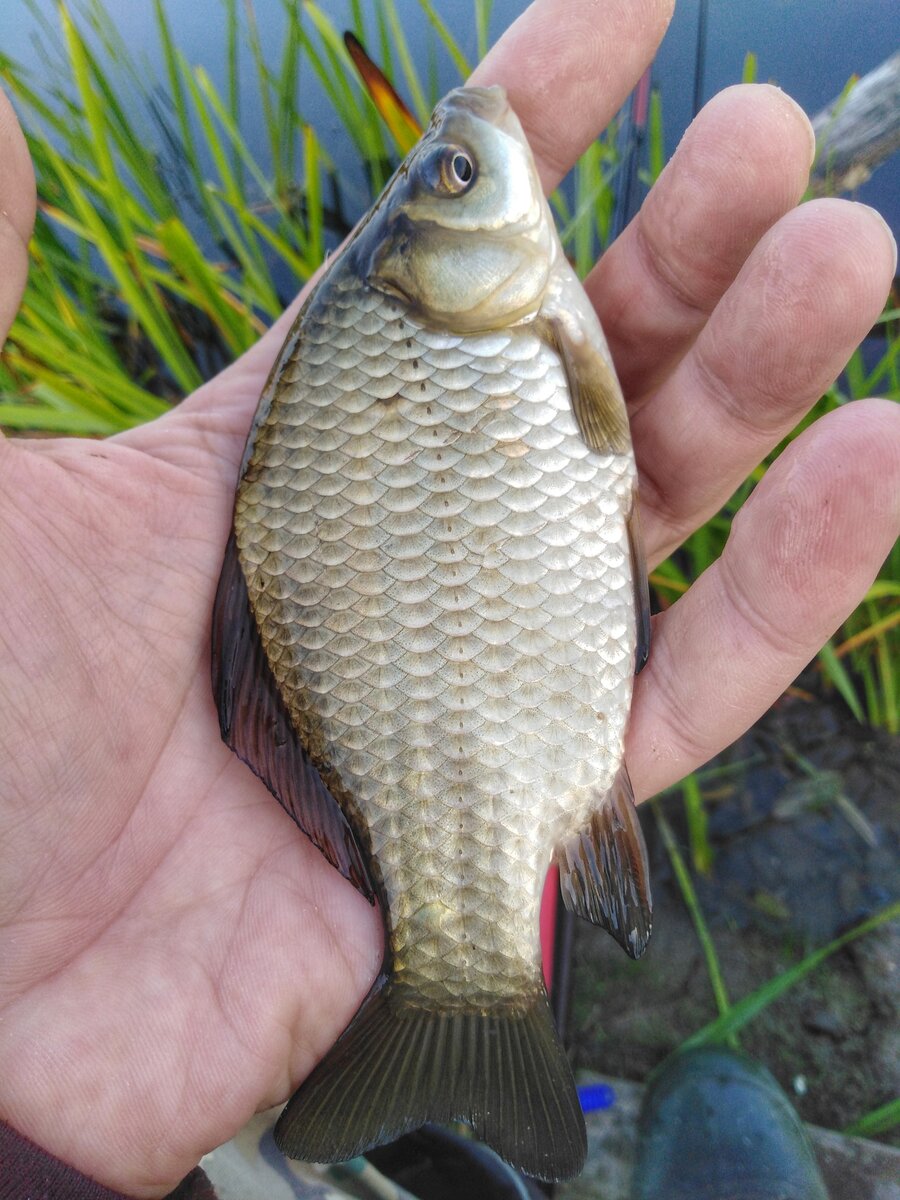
(809, 47)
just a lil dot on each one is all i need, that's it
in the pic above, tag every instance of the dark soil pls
(795, 865)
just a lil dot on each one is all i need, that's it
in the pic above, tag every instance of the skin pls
(175, 955)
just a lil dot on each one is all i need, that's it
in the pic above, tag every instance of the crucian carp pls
(432, 607)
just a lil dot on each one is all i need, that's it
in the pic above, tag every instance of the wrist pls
(67, 1158)
(27, 1170)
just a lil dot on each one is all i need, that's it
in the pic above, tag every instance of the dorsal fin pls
(641, 585)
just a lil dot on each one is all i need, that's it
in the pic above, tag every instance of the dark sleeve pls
(29, 1173)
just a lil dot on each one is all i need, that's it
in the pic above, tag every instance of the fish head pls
(463, 233)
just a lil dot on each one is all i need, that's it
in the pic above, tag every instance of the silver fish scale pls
(440, 572)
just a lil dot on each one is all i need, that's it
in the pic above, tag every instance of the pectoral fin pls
(255, 723)
(597, 400)
(595, 395)
(603, 871)
(568, 324)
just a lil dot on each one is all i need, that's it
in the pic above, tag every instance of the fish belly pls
(440, 573)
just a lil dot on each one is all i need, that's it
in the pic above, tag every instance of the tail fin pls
(398, 1065)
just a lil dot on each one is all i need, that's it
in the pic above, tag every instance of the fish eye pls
(461, 168)
(450, 171)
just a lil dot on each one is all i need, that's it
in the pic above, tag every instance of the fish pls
(431, 610)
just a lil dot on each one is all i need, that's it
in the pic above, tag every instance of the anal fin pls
(603, 870)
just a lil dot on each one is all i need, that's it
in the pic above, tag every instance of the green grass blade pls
(275, 131)
(884, 369)
(462, 64)
(239, 234)
(129, 145)
(109, 396)
(233, 233)
(887, 667)
(693, 906)
(232, 39)
(175, 79)
(590, 219)
(656, 146)
(97, 121)
(205, 288)
(878, 626)
(883, 588)
(98, 189)
(62, 124)
(359, 19)
(214, 143)
(385, 45)
(302, 265)
(432, 74)
(482, 25)
(282, 136)
(71, 368)
(234, 187)
(879, 1120)
(138, 293)
(63, 392)
(836, 672)
(855, 375)
(872, 697)
(315, 233)
(697, 826)
(234, 294)
(751, 1006)
(416, 93)
(560, 206)
(125, 262)
(358, 114)
(14, 415)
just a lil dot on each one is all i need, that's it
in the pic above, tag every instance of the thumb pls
(17, 207)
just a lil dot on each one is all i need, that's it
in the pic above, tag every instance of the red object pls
(642, 99)
(549, 907)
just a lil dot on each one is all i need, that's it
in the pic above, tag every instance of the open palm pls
(175, 955)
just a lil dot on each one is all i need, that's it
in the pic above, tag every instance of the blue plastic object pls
(595, 1096)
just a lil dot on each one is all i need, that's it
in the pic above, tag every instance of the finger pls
(807, 295)
(567, 66)
(743, 163)
(17, 206)
(802, 552)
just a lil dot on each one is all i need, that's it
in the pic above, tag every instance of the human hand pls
(175, 953)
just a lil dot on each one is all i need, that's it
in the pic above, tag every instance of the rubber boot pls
(716, 1126)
